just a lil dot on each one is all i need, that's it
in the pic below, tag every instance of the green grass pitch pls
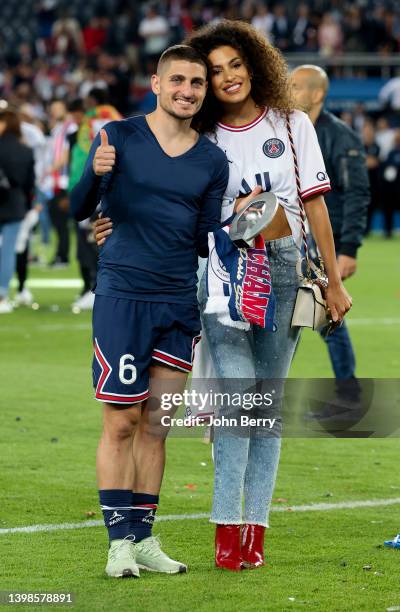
(49, 431)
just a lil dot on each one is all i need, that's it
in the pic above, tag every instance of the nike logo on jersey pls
(229, 160)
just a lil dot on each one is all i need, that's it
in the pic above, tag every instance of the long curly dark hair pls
(264, 62)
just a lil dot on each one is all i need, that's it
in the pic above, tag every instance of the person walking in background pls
(347, 204)
(17, 183)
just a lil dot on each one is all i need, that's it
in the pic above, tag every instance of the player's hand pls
(104, 158)
(102, 228)
(347, 266)
(240, 203)
(338, 300)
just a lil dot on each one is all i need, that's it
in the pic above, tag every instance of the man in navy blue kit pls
(162, 184)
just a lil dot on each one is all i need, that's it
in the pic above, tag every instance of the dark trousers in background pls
(22, 269)
(87, 254)
(339, 344)
(58, 210)
(343, 362)
(341, 352)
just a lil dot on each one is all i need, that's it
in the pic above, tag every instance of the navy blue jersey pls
(162, 208)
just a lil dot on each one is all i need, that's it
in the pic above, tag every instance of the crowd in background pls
(83, 68)
(53, 49)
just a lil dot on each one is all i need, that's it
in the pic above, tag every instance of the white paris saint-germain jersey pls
(259, 153)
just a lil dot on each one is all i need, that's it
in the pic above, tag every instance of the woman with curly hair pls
(245, 114)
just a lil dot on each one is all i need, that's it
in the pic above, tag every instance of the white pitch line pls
(323, 507)
(373, 321)
(76, 283)
(52, 283)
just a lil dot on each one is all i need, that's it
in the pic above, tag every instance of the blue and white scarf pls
(239, 285)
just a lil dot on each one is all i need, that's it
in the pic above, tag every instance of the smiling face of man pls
(180, 87)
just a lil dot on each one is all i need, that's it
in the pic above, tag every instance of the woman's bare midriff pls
(279, 227)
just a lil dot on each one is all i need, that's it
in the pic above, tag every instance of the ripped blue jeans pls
(246, 465)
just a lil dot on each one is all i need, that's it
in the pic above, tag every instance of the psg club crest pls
(273, 147)
(218, 267)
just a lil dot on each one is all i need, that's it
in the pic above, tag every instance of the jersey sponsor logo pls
(273, 147)
(321, 176)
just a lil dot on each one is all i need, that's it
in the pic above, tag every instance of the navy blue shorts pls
(130, 335)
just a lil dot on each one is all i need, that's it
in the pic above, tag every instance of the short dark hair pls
(99, 95)
(181, 52)
(76, 106)
(12, 121)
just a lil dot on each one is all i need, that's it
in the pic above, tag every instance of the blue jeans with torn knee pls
(246, 465)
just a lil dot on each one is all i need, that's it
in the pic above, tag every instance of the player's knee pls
(154, 431)
(121, 424)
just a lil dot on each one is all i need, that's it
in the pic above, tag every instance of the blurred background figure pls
(89, 116)
(330, 36)
(372, 152)
(32, 135)
(391, 186)
(301, 28)
(263, 20)
(67, 39)
(281, 31)
(56, 178)
(155, 31)
(17, 183)
(347, 204)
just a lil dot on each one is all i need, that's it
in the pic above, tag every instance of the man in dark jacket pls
(347, 202)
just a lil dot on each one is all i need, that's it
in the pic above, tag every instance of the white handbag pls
(310, 309)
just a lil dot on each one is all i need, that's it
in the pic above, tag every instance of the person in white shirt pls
(389, 95)
(155, 31)
(245, 114)
(55, 179)
(263, 21)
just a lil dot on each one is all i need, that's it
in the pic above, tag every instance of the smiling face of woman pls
(230, 77)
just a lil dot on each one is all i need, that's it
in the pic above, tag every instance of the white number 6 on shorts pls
(127, 368)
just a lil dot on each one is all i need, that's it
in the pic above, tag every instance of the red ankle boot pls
(253, 546)
(227, 547)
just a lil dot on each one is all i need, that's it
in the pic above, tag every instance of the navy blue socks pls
(128, 514)
(116, 505)
(144, 507)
